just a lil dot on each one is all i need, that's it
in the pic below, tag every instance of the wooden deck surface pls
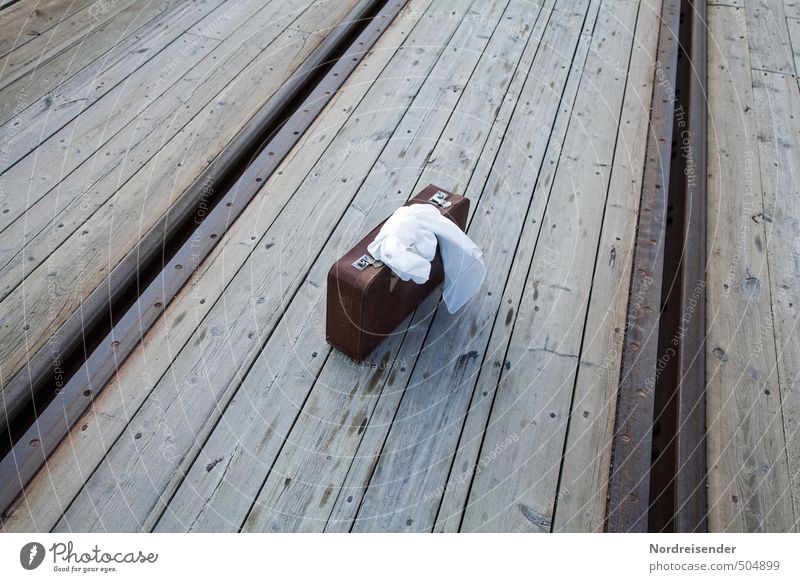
(108, 111)
(753, 340)
(234, 414)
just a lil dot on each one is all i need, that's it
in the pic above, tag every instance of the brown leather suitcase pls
(366, 301)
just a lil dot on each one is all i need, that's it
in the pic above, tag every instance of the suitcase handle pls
(438, 199)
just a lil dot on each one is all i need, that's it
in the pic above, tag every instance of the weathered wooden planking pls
(36, 93)
(768, 36)
(250, 182)
(115, 228)
(423, 122)
(515, 490)
(790, 7)
(78, 90)
(412, 470)
(748, 477)
(24, 307)
(463, 141)
(320, 446)
(455, 492)
(67, 38)
(777, 102)
(51, 492)
(79, 139)
(235, 201)
(202, 380)
(580, 502)
(26, 20)
(124, 71)
(66, 202)
(234, 497)
(544, 120)
(793, 27)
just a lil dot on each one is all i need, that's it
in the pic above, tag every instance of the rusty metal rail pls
(690, 497)
(657, 481)
(177, 245)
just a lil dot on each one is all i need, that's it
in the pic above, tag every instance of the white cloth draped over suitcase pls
(407, 244)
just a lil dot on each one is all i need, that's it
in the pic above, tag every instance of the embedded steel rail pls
(237, 175)
(658, 482)
(690, 495)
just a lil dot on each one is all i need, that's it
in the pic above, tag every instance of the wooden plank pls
(96, 182)
(456, 490)
(74, 143)
(516, 489)
(56, 485)
(580, 503)
(235, 152)
(223, 347)
(545, 177)
(67, 36)
(302, 484)
(404, 490)
(78, 91)
(65, 202)
(104, 96)
(37, 91)
(142, 200)
(777, 108)
(791, 8)
(28, 19)
(36, 312)
(768, 36)
(793, 26)
(749, 485)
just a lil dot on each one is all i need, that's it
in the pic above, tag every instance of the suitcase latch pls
(440, 199)
(365, 261)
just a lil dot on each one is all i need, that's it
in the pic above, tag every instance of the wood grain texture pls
(29, 19)
(108, 144)
(580, 502)
(412, 471)
(777, 108)
(50, 493)
(749, 483)
(768, 36)
(516, 489)
(170, 162)
(39, 117)
(467, 456)
(111, 18)
(203, 379)
(307, 501)
(235, 414)
(444, 165)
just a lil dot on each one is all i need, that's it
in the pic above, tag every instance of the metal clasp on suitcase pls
(365, 261)
(440, 199)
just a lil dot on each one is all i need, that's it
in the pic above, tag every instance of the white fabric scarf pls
(407, 244)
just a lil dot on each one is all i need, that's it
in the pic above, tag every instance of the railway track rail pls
(657, 480)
